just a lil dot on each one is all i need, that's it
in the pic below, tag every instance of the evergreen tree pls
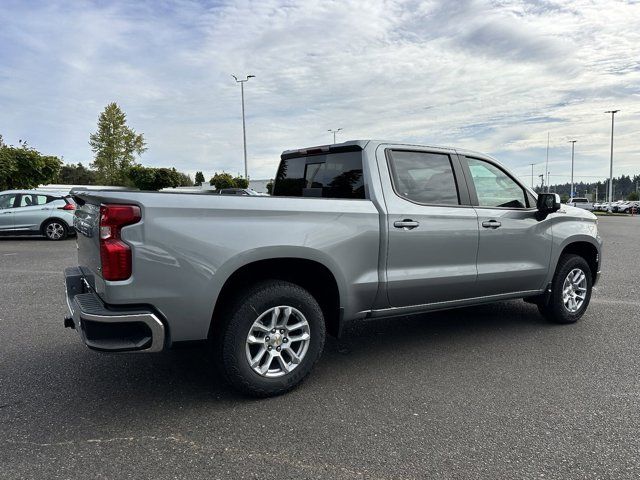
(115, 146)
(199, 178)
(76, 175)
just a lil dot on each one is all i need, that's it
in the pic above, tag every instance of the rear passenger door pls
(432, 228)
(33, 209)
(515, 243)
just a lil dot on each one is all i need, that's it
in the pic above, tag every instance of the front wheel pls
(570, 291)
(55, 230)
(273, 336)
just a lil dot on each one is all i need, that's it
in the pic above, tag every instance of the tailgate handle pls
(491, 224)
(406, 224)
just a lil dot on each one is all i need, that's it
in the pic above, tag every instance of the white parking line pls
(30, 272)
(615, 302)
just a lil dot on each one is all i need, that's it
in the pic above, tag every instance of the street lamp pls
(334, 133)
(573, 144)
(532, 175)
(547, 165)
(244, 130)
(612, 112)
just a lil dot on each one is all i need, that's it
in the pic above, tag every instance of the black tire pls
(554, 309)
(240, 315)
(55, 230)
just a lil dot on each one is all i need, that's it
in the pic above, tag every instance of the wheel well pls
(310, 275)
(43, 224)
(587, 251)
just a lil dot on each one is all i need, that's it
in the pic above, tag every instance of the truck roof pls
(355, 145)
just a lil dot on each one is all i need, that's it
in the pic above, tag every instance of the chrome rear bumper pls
(109, 328)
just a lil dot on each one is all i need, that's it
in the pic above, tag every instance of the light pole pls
(244, 129)
(573, 144)
(334, 133)
(532, 175)
(547, 165)
(612, 112)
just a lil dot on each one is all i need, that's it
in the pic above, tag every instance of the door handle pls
(406, 224)
(491, 224)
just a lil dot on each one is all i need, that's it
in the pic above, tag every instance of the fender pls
(227, 269)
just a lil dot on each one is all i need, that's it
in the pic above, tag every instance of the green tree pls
(222, 180)
(185, 180)
(633, 196)
(149, 178)
(76, 175)
(270, 187)
(241, 182)
(199, 178)
(115, 146)
(25, 167)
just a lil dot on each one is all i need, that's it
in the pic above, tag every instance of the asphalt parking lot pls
(493, 392)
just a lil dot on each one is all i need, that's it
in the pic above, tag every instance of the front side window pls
(334, 175)
(424, 177)
(7, 200)
(494, 187)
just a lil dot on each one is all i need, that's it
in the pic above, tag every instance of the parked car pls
(358, 230)
(617, 207)
(34, 212)
(626, 207)
(581, 202)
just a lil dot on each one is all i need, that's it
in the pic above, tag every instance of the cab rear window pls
(332, 175)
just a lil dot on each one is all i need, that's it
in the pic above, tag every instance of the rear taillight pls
(115, 255)
(68, 206)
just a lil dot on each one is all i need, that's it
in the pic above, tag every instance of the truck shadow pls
(115, 389)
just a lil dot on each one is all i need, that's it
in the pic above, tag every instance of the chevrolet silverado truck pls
(353, 231)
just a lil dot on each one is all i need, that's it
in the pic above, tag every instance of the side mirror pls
(548, 202)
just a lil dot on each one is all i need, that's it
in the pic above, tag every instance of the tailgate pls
(86, 222)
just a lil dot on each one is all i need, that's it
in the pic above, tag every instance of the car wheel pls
(55, 230)
(273, 336)
(570, 291)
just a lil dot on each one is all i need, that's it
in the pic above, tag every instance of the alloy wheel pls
(574, 290)
(54, 231)
(277, 341)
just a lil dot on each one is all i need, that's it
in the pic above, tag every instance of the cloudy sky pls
(493, 76)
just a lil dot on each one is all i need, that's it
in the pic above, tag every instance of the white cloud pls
(491, 76)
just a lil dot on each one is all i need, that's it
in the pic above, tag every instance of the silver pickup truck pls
(358, 230)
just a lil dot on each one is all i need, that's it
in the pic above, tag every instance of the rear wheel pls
(272, 337)
(570, 291)
(55, 230)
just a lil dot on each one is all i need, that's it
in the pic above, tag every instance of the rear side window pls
(334, 175)
(28, 200)
(424, 177)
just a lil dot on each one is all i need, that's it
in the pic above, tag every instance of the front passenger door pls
(515, 244)
(7, 202)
